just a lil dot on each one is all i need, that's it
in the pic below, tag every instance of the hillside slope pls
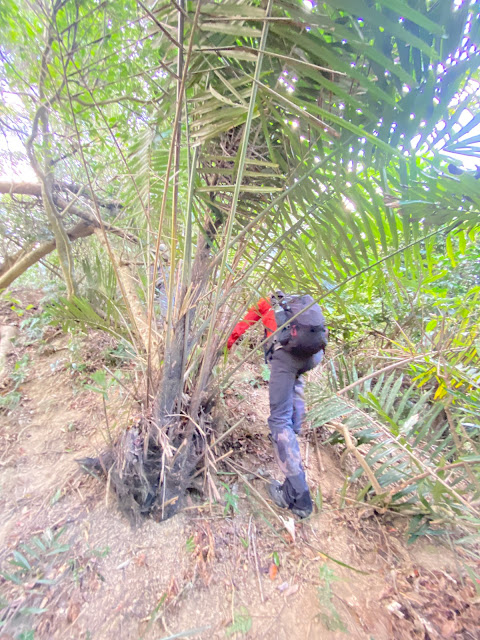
(73, 566)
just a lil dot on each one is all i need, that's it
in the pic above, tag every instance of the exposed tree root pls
(149, 479)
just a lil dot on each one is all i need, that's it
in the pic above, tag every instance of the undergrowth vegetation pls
(189, 157)
(34, 569)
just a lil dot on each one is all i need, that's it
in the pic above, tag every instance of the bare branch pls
(81, 230)
(34, 189)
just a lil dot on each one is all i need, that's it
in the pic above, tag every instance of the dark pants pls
(287, 411)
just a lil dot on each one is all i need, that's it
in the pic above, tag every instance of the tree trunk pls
(10, 260)
(81, 230)
(172, 382)
(200, 275)
(61, 236)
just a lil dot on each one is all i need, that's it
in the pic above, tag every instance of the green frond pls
(405, 440)
(78, 312)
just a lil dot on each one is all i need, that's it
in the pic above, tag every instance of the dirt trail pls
(210, 572)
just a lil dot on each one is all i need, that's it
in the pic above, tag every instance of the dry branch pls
(34, 189)
(361, 460)
(26, 260)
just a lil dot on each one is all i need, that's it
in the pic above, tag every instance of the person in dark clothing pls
(286, 393)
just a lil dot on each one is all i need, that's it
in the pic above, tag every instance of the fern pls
(77, 312)
(404, 446)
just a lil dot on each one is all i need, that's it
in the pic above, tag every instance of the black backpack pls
(306, 334)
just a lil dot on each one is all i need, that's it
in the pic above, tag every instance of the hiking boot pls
(275, 489)
(276, 493)
(301, 513)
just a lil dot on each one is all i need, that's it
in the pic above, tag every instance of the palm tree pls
(258, 142)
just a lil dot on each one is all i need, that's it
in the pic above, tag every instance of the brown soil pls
(204, 573)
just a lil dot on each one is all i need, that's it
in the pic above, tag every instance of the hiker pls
(291, 352)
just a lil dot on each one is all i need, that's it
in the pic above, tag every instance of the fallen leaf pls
(448, 629)
(291, 590)
(272, 571)
(73, 612)
(386, 592)
(289, 524)
(173, 589)
(395, 608)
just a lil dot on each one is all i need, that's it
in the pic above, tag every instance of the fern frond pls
(79, 312)
(403, 444)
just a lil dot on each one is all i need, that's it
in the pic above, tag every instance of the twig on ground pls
(226, 433)
(307, 451)
(254, 547)
(257, 475)
(259, 495)
(274, 621)
(353, 449)
(225, 455)
(107, 488)
(248, 536)
(317, 451)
